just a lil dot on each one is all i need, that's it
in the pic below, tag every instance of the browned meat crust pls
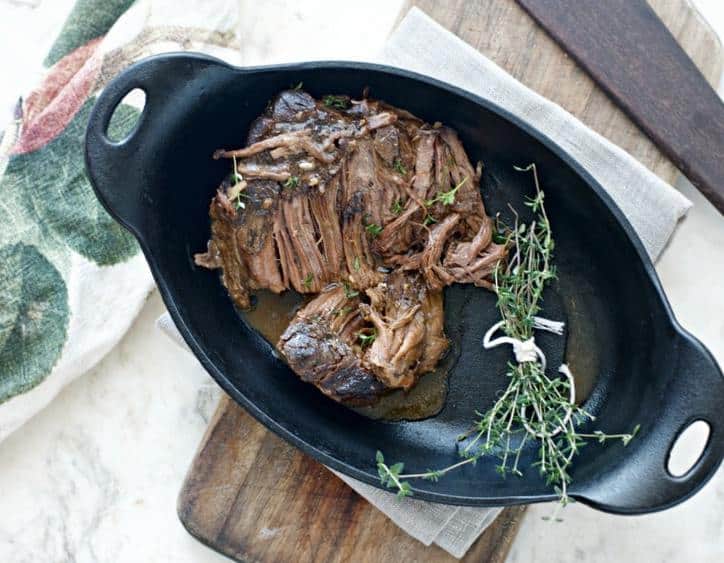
(319, 346)
(366, 195)
(326, 342)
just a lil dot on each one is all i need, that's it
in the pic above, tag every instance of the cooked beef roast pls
(356, 346)
(367, 206)
(322, 346)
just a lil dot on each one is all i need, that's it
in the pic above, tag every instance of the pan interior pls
(613, 313)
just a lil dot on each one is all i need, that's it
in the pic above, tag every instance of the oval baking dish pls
(649, 371)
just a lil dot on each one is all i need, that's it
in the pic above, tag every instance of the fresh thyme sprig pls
(235, 192)
(429, 220)
(396, 207)
(399, 166)
(535, 406)
(349, 292)
(448, 197)
(292, 182)
(235, 172)
(373, 229)
(337, 102)
(367, 337)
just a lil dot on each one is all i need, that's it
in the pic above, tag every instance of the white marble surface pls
(95, 476)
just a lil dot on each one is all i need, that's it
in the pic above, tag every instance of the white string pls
(524, 350)
(555, 327)
(528, 351)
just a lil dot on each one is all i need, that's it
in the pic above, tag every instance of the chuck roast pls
(356, 347)
(344, 197)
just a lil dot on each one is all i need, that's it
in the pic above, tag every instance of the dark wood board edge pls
(686, 123)
(556, 76)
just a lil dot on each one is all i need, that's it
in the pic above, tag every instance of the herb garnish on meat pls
(373, 229)
(396, 207)
(448, 197)
(337, 102)
(292, 182)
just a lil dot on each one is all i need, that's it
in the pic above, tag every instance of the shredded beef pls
(370, 208)
(327, 342)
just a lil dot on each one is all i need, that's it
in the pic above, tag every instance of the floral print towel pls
(71, 279)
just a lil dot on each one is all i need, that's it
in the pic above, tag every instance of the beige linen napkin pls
(652, 206)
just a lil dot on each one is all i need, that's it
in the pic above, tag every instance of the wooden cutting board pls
(253, 497)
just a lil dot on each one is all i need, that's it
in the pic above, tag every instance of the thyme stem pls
(535, 406)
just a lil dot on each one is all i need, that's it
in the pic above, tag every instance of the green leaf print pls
(88, 19)
(33, 318)
(51, 186)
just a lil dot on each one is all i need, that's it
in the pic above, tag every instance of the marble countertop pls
(95, 476)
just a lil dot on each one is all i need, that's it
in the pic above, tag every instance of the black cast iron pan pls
(649, 371)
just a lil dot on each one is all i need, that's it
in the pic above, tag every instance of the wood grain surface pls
(637, 61)
(253, 497)
(502, 31)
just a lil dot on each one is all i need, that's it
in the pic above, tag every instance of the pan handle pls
(700, 388)
(643, 482)
(118, 184)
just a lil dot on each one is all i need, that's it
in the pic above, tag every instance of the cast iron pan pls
(158, 183)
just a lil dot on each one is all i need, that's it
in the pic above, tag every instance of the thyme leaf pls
(367, 337)
(237, 186)
(292, 182)
(337, 102)
(399, 167)
(373, 229)
(429, 220)
(349, 293)
(396, 207)
(446, 198)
